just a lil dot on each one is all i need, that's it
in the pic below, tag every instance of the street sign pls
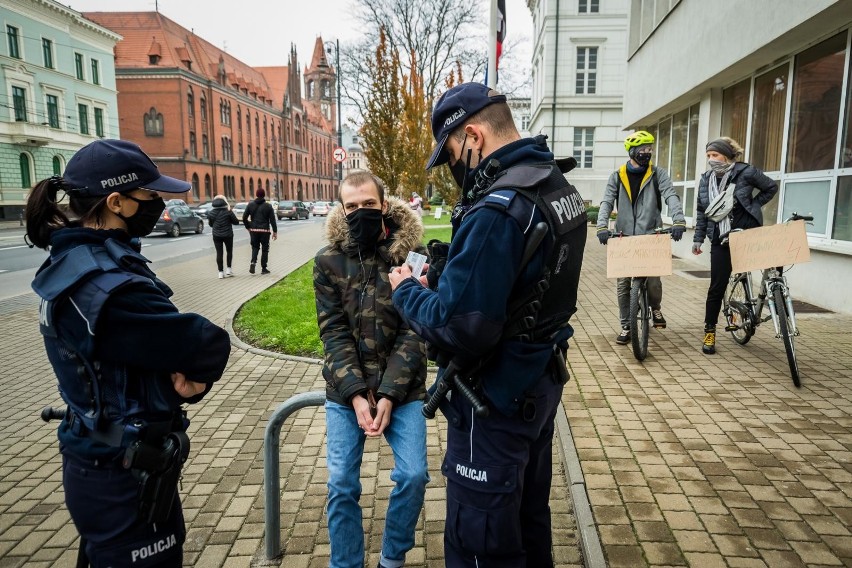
(339, 154)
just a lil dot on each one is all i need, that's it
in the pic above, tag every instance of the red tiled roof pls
(277, 79)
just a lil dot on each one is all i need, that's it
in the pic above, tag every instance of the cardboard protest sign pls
(642, 255)
(765, 247)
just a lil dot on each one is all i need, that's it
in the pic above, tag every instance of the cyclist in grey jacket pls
(637, 191)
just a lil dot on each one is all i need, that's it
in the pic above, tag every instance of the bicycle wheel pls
(786, 333)
(639, 318)
(738, 310)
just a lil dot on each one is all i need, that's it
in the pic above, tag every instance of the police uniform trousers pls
(498, 472)
(103, 502)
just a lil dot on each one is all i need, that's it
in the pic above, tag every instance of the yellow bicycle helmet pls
(639, 138)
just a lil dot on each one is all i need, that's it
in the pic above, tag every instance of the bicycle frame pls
(771, 277)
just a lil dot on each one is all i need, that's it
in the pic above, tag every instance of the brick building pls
(211, 119)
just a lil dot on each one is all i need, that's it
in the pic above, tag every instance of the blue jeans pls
(406, 435)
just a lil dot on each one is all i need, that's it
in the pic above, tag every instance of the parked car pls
(322, 208)
(201, 210)
(175, 202)
(176, 219)
(240, 209)
(292, 210)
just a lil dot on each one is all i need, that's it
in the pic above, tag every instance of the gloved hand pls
(438, 252)
(696, 248)
(603, 236)
(677, 232)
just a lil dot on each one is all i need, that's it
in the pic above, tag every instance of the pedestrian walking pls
(637, 191)
(126, 360)
(500, 315)
(374, 367)
(259, 219)
(741, 210)
(222, 220)
(416, 204)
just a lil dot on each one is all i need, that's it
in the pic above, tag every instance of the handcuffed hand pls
(696, 248)
(677, 232)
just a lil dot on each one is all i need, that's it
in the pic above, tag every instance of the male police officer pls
(503, 311)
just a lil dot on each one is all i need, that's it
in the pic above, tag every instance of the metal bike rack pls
(272, 467)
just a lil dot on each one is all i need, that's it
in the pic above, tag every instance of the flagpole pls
(492, 46)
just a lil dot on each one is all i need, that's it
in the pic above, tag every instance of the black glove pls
(438, 252)
(677, 232)
(603, 236)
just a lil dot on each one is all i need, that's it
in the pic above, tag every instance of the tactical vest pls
(74, 287)
(536, 312)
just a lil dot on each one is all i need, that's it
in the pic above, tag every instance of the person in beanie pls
(222, 220)
(637, 191)
(746, 213)
(499, 316)
(126, 360)
(374, 369)
(259, 219)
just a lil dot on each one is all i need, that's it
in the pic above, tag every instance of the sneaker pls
(251, 268)
(228, 272)
(221, 274)
(709, 346)
(623, 338)
(659, 320)
(265, 271)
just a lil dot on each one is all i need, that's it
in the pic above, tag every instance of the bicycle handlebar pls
(657, 231)
(796, 217)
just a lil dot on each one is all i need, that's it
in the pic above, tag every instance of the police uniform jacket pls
(467, 314)
(747, 212)
(138, 338)
(367, 345)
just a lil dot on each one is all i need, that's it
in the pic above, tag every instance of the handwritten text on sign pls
(642, 255)
(764, 247)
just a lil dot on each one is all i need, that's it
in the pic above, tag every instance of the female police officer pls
(124, 357)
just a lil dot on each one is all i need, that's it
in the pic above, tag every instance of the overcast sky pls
(259, 32)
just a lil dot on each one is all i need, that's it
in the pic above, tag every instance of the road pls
(19, 262)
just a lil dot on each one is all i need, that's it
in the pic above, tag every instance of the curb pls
(590, 542)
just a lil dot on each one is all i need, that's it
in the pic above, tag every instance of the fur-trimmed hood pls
(405, 225)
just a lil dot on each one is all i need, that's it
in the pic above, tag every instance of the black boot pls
(709, 346)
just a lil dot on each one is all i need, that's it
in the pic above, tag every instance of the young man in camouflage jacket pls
(374, 369)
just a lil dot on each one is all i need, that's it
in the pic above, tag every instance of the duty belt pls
(120, 434)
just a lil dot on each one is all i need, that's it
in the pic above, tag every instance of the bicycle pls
(640, 308)
(743, 311)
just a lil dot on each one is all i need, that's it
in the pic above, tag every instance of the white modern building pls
(57, 76)
(578, 85)
(774, 75)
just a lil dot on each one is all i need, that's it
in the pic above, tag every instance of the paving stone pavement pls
(222, 488)
(695, 460)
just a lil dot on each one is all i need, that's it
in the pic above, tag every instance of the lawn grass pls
(283, 318)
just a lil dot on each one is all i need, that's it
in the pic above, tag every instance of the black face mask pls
(147, 213)
(642, 159)
(365, 226)
(460, 169)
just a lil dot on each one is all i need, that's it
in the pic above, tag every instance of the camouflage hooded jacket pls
(367, 345)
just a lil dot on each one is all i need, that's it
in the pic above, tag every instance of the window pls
(195, 185)
(47, 52)
(250, 155)
(587, 64)
(190, 103)
(53, 111)
(83, 117)
(815, 110)
(78, 66)
(584, 142)
(26, 170)
(842, 229)
(153, 123)
(202, 104)
(96, 75)
(207, 184)
(57, 166)
(193, 145)
(240, 147)
(205, 147)
(14, 46)
(99, 122)
(767, 128)
(257, 150)
(735, 110)
(19, 102)
(525, 122)
(588, 7)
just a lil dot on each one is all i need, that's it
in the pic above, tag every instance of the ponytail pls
(42, 214)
